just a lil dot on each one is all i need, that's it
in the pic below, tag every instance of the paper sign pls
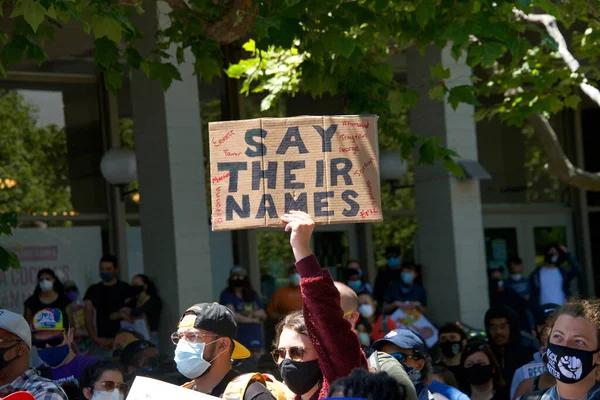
(148, 389)
(262, 168)
(417, 322)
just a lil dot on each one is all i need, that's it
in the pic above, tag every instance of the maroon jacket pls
(337, 345)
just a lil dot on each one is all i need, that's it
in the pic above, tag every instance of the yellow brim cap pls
(240, 351)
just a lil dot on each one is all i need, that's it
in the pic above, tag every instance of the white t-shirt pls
(551, 286)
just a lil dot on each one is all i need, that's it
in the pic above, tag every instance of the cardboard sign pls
(148, 389)
(262, 168)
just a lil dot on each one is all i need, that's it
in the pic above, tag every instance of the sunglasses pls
(296, 353)
(401, 357)
(53, 341)
(109, 386)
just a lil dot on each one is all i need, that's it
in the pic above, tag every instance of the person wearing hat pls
(15, 350)
(533, 375)
(240, 297)
(205, 347)
(410, 350)
(53, 338)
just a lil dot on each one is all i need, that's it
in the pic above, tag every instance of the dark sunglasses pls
(296, 353)
(53, 341)
(109, 386)
(401, 357)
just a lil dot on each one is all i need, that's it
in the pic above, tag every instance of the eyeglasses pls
(296, 353)
(401, 357)
(109, 386)
(192, 337)
(53, 341)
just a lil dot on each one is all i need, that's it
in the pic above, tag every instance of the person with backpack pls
(206, 344)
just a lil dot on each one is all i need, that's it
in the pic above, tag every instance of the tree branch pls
(553, 30)
(559, 164)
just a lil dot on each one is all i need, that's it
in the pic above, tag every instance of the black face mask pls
(236, 283)
(5, 363)
(479, 374)
(569, 365)
(450, 349)
(300, 376)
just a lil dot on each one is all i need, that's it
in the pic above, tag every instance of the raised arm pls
(336, 343)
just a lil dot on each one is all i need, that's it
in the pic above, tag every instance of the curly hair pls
(366, 385)
(577, 307)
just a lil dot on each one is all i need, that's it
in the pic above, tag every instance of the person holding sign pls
(317, 346)
(205, 345)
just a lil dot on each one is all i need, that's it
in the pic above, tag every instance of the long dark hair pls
(247, 291)
(58, 285)
(151, 290)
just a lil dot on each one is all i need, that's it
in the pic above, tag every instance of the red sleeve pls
(337, 345)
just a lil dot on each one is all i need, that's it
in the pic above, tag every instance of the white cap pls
(15, 324)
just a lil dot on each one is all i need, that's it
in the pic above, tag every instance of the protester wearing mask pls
(388, 273)
(378, 360)
(509, 348)
(205, 347)
(287, 298)
(146, 303)
(105, 299)
(483, 373)
(317, 346)
(573, 352)
(550, 283)
(410, 350)
(528, 378)
(246, 304)
(49, 293)
(15, 349)
(82, 338)
(103, 381)
(53, 338)
(452, 342)
(355, 278)
(500, 295)
(516, 281)
(405, 294)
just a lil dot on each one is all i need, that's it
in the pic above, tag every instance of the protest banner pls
(416, 321)
(147, 389)
(262, 168)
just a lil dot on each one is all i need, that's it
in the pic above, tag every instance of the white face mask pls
(189, 358)
(366, 310)
(365, 339)
(46, 285)
(103, 395)
(295, 279)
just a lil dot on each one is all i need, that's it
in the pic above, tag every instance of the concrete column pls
(450, 237)
(173, 210)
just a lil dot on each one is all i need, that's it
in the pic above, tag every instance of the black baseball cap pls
(215, 318)
(544, 311)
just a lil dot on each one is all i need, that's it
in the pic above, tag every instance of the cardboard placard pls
(327, 166)
(148, 389)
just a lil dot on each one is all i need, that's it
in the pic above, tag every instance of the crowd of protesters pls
(333, 339)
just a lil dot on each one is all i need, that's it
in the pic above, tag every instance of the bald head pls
(348, 298)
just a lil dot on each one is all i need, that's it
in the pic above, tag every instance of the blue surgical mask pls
(393, 262)
(54, 356)
(189, 358)
(355, 285)
(407, 277)
(295, 279)
(106, 276)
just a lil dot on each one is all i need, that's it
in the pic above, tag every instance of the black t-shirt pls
(106, 300)
(254, 391)
(34, 304)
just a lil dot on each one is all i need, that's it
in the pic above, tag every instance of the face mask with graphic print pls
(569, 365)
